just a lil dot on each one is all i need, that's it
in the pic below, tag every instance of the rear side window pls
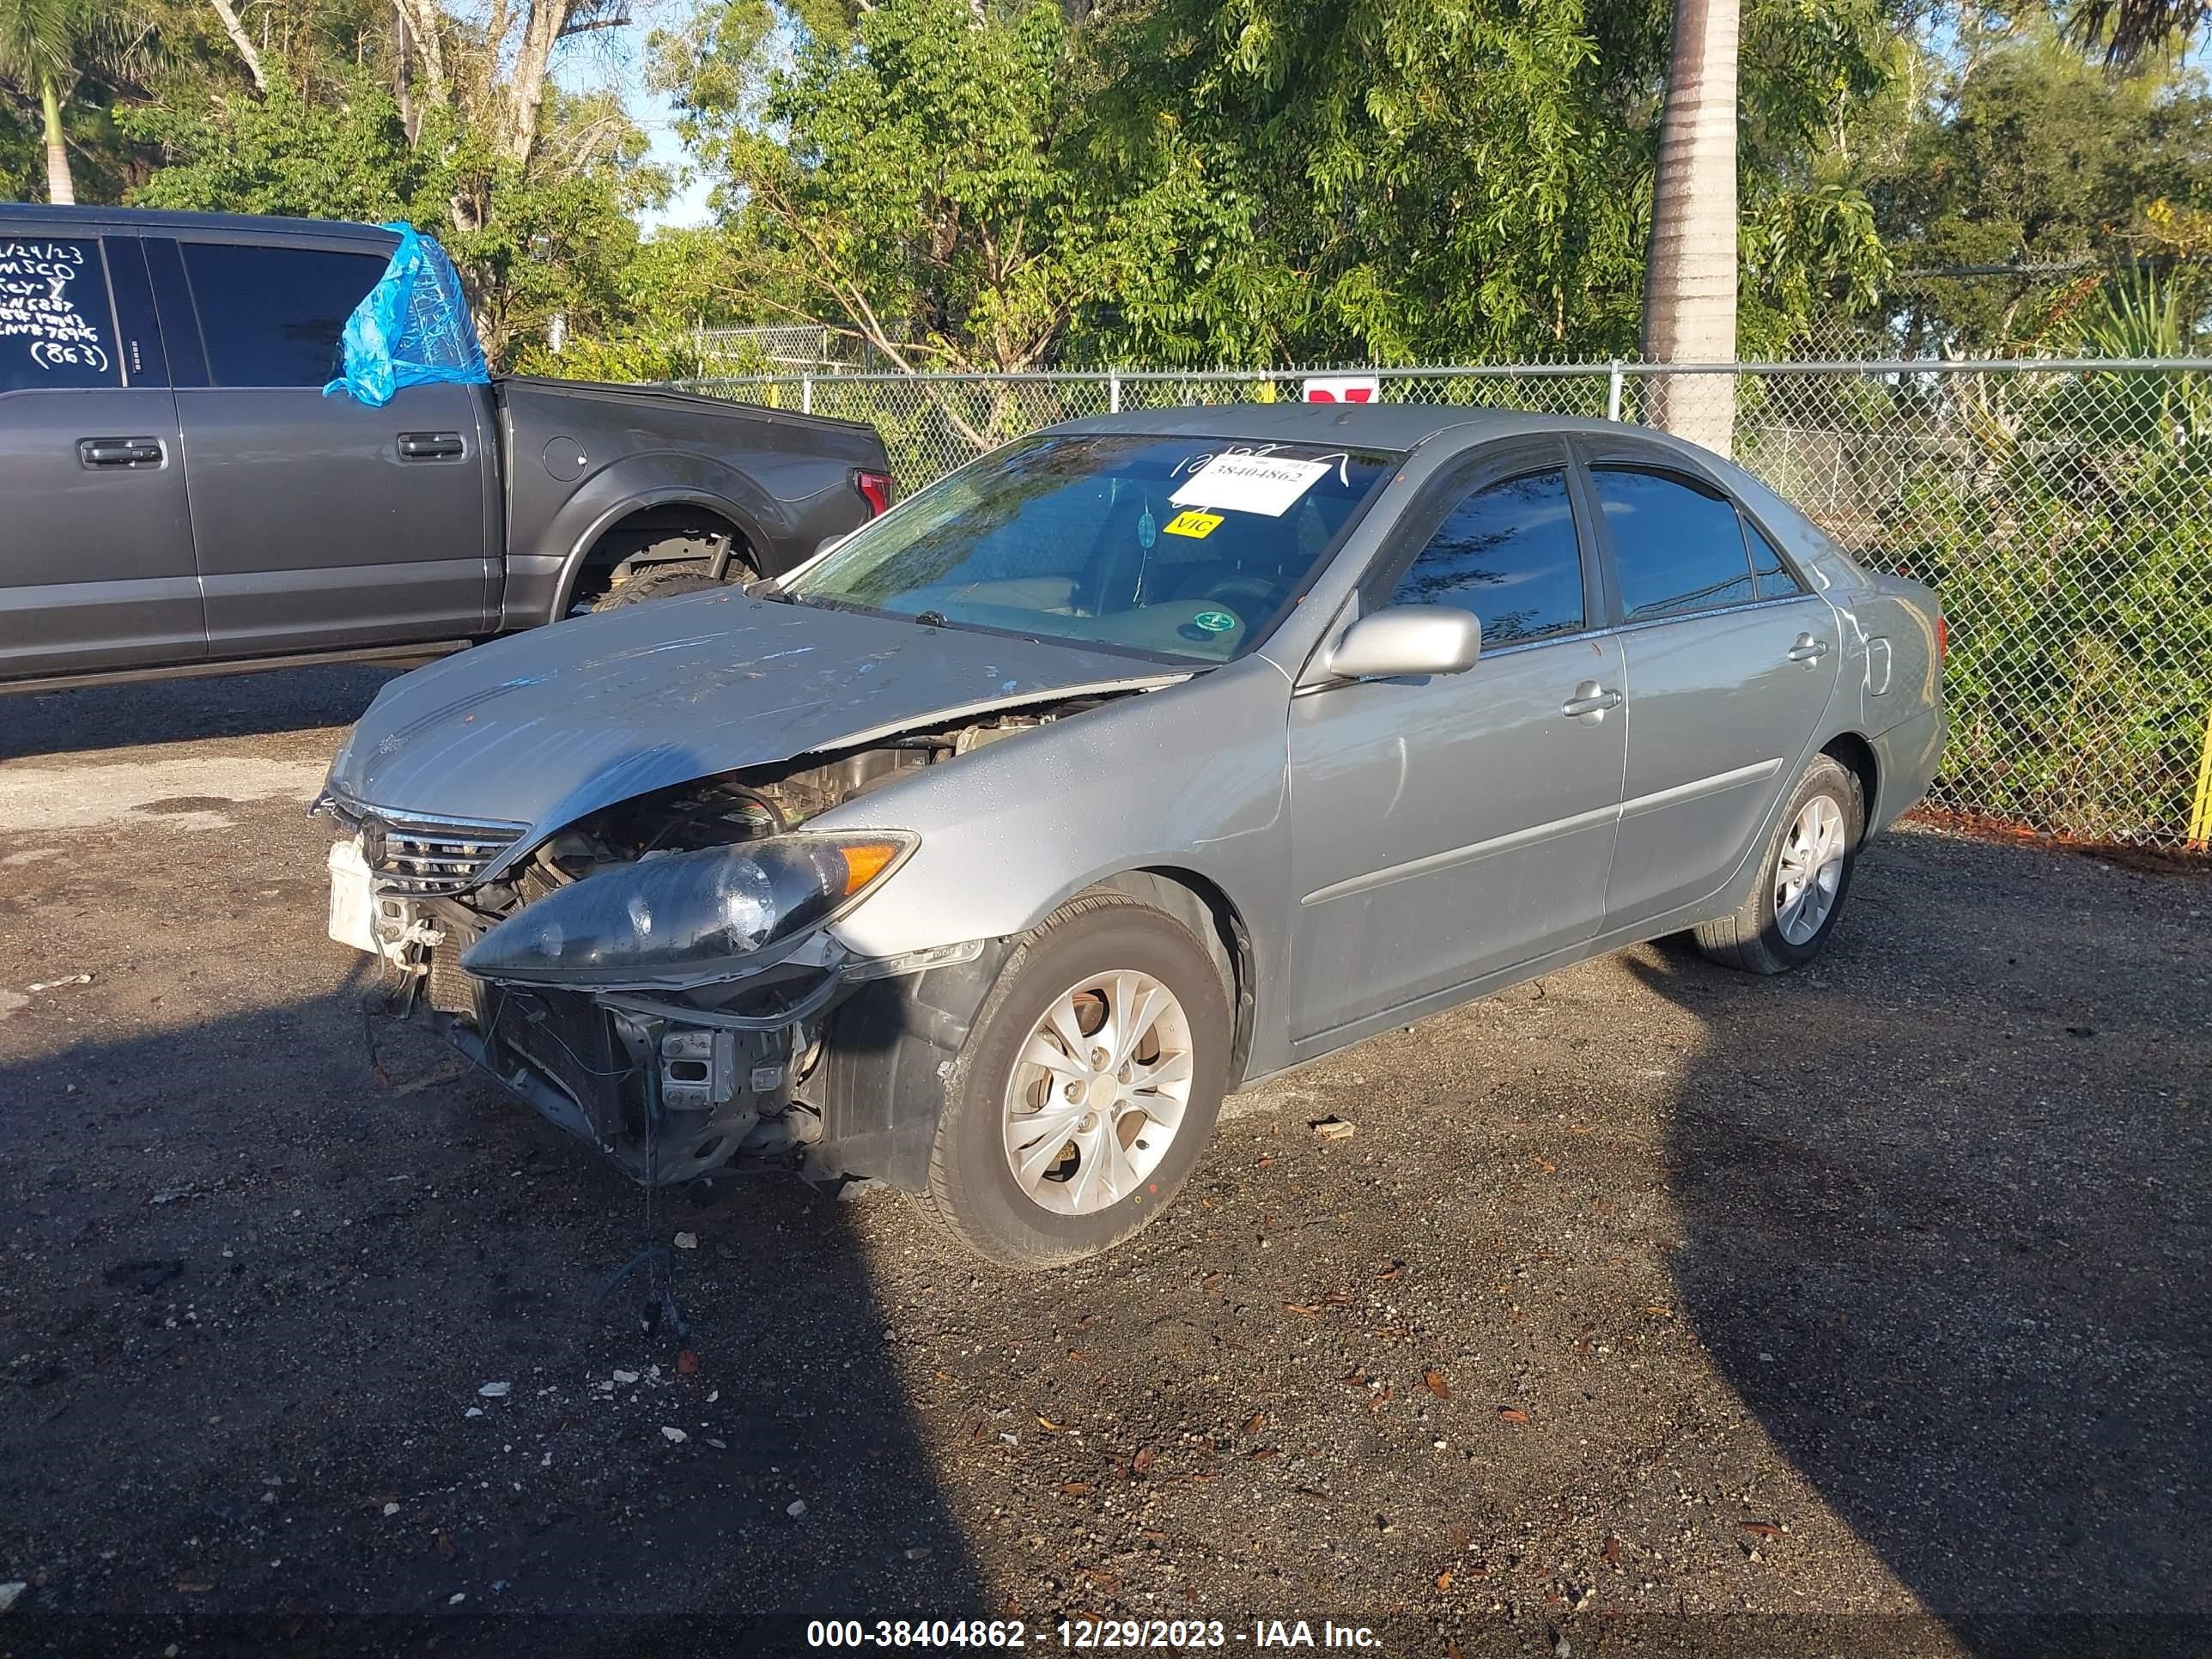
(1768, 572)
(1676, 548)
(57, 326)
(1509, 554)
(273, 316)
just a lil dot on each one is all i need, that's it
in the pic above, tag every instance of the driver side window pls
(1509, 553)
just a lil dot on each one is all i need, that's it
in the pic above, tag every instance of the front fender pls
(1190, 777)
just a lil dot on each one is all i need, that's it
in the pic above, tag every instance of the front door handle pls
(1809, 650)
(120, 451)
(430, 446)
(1589, 702)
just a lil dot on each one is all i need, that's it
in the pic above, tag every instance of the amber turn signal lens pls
(865, 861)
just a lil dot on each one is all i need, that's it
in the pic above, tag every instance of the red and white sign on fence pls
(1344, 389)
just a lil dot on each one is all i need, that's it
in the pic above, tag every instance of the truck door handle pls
(1809, 650)
(1589, 702)
(120, 451)
(430, 446)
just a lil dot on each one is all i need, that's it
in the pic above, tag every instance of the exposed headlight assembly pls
(687, 918)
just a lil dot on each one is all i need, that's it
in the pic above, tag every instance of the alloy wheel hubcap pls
(1810, 872)
(1099, 1092)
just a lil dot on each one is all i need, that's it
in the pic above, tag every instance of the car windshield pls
(1184, 548)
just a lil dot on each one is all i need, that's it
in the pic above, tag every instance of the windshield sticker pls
(1213, 622)
(1268, 484)
(1191, 523)
(1148, 530)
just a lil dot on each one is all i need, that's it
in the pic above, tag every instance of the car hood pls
(544, 728)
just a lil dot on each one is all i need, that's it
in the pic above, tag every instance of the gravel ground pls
(1651, 1308)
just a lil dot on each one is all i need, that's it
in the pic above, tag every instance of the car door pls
(1449, 828)
(318, 521)
(96, 546)
(1731, 659)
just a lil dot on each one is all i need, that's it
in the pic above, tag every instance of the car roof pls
(1383, 426)
(147, 219)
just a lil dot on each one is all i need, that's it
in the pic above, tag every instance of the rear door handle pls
(1809, 650)
(430, 446)
(120, 451)
(1589, 702)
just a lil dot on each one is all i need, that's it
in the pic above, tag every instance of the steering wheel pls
(1263, 595)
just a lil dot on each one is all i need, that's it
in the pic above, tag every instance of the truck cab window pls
(273, 316)
(56, 327)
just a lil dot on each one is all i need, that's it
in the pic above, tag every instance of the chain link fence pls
(2062, 509)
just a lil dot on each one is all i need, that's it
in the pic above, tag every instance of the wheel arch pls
(637, 512)
(1856, 754)
(1201, 905)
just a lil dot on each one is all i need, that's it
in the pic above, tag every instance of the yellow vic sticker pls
(1192, 522)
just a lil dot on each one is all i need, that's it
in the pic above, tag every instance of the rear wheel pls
(1088, 1087)
(659, 582)
(1804, 877)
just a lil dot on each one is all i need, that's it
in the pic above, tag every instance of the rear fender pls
(542, 579)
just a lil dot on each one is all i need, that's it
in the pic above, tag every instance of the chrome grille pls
(423, 857)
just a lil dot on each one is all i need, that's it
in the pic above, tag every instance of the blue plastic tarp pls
(412, 329)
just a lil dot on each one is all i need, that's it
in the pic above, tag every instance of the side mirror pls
(1405, 641)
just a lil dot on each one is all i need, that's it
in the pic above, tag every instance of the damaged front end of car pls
(660, 978)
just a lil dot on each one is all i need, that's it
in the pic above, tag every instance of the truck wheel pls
(1087, 1089)
(659, 582)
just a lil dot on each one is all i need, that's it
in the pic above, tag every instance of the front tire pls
(1804, 877)
(1088, 1087)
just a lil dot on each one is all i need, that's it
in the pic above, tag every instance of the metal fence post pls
(1114, 392)
(806, 394)
(1612, 393)
(2200, 810)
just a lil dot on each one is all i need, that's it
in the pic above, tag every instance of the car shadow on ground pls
(255, 1360)
(1935, 1155)
(91, 718)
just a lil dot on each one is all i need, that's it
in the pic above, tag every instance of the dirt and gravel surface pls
(1648, 1307)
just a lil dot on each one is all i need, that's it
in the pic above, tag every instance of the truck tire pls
(659, 582)
(1022, 1172)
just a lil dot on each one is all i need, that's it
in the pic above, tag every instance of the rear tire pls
(1002, 1104)
(661, 582)
(1804, 876)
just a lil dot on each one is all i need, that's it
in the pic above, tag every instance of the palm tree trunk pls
(61, 189)
(1689, 281)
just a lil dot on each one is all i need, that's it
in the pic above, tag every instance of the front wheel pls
(1803, 880)
(1087, 1089)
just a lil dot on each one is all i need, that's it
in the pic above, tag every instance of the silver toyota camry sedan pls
(1131, 765)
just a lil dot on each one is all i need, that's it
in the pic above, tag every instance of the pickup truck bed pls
(183, 498)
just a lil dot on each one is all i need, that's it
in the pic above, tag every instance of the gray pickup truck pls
(180, 497)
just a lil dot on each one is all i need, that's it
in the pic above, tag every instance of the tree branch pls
(239, 38)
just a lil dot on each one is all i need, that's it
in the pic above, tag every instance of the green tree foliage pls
(52, 50)
(326, 136)
(1258, 182)
(2026, 156)
(342, 152)
(917, 179)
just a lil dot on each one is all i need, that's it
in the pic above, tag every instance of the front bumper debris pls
(676, 1086)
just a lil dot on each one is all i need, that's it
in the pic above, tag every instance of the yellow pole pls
(2200, 815)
